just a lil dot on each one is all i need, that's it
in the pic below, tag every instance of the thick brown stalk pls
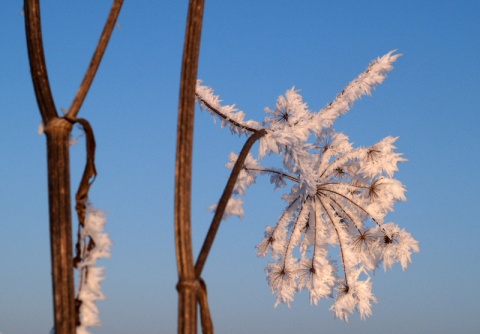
(58, 136)
(222, 204)
(188, 285)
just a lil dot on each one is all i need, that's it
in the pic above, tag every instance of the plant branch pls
(36, 56)
(223, 116)
(291, 235)
(272, 171)
(338, 237)
(271, 239)
(96, 59)
(206, 319)
(222, 204)
(351, 201)
(345, 212)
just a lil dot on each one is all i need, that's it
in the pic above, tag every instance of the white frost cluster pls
(339, 198)
(95, 244)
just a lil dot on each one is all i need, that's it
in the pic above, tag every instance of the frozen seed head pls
(363, 241)
(339, 191)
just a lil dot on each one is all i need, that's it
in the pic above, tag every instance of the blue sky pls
(252, 51)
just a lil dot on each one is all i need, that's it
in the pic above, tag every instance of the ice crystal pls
(95, 244)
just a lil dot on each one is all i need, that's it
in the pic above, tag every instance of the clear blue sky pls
(252, 51)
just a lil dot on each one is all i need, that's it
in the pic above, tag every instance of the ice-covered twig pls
(229, 115)
(362, 85)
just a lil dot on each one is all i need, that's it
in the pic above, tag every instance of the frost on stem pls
(94, 244)
(228, 115)
(339, 198)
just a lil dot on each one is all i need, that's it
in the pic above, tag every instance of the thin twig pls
(272, 171)
(291, 235)
(222, 204)
(351, 201)
(96, 59)
(206, 319)
(344, 211)
(338, 237)
(221, 115)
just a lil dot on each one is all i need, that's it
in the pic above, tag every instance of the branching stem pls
(353, 202)
(345, 212)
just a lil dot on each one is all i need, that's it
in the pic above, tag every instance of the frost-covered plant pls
(93, 245)
(339, 198)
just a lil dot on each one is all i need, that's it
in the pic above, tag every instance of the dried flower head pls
(339, 198)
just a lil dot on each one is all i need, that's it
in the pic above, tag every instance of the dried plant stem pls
(188, 285)
(38, 67)
(96, 59)
(222, 115)
(207, 325)
(58, 135)
(271, 171)
(351, 201)
(295, 225)
(222, 204)
(337, 229)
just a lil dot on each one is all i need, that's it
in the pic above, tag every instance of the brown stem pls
(36, 56)
(272, 232)
(344, 211)
(187, 290)
(271, 171)
(351, 201)
(345, 184)
(338, 237)
(222, 204)
(314, 253)
(291, 236)
(221, 115)
(96, 59)
(58, 135)
(207, 325)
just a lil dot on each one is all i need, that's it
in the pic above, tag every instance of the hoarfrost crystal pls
(95, 244)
